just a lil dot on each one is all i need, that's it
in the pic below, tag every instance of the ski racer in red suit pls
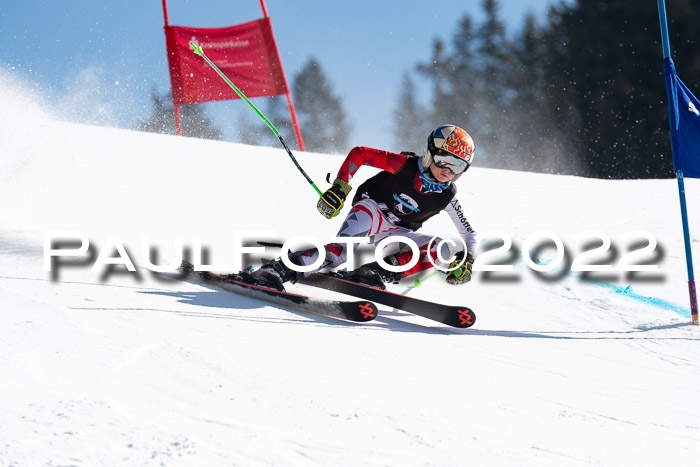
(397, 201)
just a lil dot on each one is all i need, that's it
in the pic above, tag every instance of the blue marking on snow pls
(653, 301)
(629, 293)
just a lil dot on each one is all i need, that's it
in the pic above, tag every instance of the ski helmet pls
(449, 146)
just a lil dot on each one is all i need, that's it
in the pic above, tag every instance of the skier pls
(410, 190)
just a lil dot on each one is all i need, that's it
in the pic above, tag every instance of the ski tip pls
(361, 311)
(465, 318)
(197, 49)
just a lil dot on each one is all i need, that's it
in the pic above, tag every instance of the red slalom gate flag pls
(246, 53)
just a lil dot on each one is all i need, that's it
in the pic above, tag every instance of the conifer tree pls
(162, 119)
(247, 132)
(277, 111)
(473, 83)
(411, 126)
(195, 122)
(320, 112)
(497, 127)
(604, 71)
(539, 144)
(438, 71)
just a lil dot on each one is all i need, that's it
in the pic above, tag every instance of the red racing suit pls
(394, 202)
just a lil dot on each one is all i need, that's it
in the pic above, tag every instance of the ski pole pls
(418, 282)
(198, 50)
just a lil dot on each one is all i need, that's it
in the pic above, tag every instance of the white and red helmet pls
(449, 146)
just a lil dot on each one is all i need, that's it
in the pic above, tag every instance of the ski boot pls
(243, 276)
(272, 275)
(374, 275)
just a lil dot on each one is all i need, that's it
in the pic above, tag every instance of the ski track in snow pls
(132, 369)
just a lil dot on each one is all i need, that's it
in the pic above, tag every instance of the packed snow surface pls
(102, 366)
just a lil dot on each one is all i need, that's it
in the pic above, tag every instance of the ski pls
(457, 316)
(357, 311)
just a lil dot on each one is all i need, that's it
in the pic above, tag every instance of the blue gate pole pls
(679, 173)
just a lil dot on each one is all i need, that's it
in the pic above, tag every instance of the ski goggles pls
(446, 160)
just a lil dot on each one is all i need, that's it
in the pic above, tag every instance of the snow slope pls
(101, 368)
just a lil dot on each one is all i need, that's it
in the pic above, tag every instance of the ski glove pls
(332, 200)
(463, 273)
